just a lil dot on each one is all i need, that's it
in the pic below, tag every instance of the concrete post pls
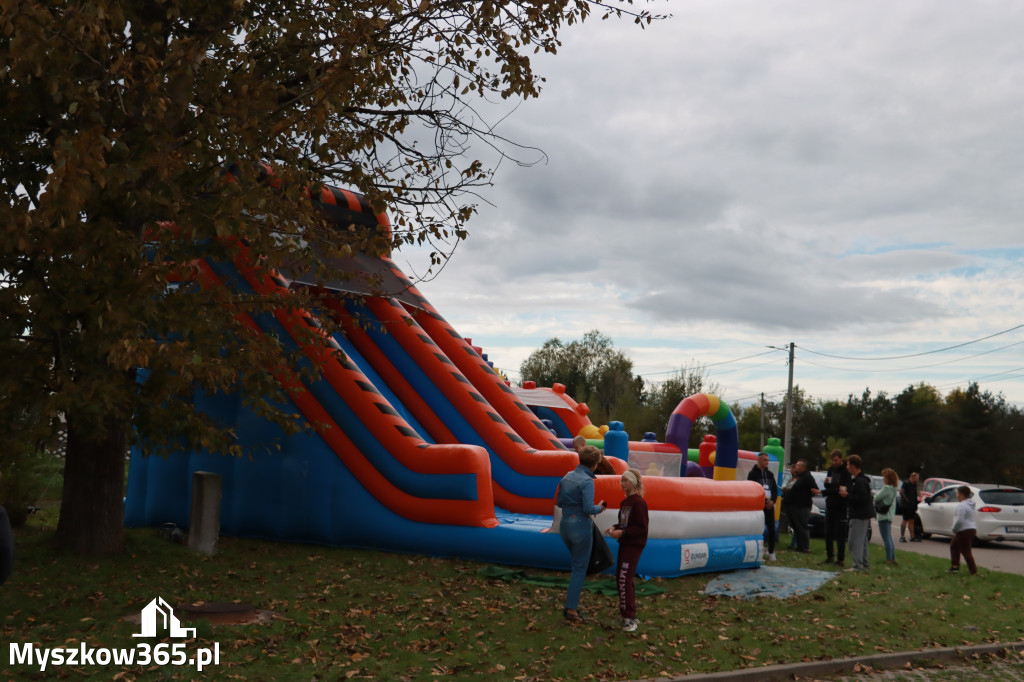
(204, 529)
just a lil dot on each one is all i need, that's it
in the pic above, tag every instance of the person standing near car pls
(836, 509)
(799, 501)
(908, 507)
(764, 476)
(964, 531)
(862, 510)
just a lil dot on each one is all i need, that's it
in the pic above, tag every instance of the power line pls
(741, 369)
(908, 369)
(915, 355)
(988, 378)
(755, 395)
(713, 364)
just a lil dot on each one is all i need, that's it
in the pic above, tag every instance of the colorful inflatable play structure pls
(420, 446)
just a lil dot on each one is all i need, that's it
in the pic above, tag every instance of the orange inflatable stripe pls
(503, 440)
(523, 505)
(687, 494)
(617, 464)
(346, 378)
(503, 498)
(390, 374)
(491, 386)
(352, 199)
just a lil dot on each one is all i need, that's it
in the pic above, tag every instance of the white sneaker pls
(630, 625)
(771, 557)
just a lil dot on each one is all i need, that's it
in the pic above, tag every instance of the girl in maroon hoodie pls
(631, 532)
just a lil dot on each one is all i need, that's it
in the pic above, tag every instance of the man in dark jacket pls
(764, 476)
(836, 509)
(862, 510)
(798, 502)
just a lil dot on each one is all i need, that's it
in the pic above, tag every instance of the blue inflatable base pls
(303, 492)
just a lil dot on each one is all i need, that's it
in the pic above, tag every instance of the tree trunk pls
(92, 504)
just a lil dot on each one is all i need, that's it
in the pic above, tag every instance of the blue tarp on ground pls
(768, 581)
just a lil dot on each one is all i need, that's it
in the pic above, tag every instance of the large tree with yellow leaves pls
(121, 119)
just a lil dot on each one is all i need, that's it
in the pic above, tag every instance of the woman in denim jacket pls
(576, 500)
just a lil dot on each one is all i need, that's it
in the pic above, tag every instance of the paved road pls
(997, 556)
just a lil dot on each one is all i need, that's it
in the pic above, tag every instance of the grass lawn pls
(344, 613)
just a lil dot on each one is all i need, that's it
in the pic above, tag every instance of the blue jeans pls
(575, 529)
(885, 530)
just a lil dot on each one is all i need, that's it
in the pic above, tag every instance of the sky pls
(844, 176)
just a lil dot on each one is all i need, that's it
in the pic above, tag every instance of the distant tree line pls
(969, 434)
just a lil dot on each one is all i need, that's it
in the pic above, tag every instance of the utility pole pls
(789, 410)
(762, 422)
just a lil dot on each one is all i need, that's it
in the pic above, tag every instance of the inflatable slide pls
(418, 445)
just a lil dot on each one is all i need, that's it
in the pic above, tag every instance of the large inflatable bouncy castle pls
(418, 445)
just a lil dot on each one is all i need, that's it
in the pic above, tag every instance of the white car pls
(999, 512)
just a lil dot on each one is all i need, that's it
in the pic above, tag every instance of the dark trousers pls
(769, 531)
(837, 529)
(961, 545)
(625, 572)
(798, 518)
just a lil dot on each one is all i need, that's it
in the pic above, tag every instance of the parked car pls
(816, 521)
(934, 485)
(999, 512)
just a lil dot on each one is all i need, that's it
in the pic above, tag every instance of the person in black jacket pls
(862, 510)
(908, 507)
(836, 509)
(764, 476)
(798, 503)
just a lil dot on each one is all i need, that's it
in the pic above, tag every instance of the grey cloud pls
(817, 169)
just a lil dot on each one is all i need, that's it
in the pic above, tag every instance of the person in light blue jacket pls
(576, 500)
(886, 498)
